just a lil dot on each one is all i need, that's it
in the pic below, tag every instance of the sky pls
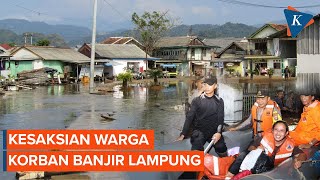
(116, 14)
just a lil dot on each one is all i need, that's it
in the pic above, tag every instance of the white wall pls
(270, 63)
(265, 32)
(197, 53)
(123, 64)
(23, 54)
(308, 63)
(37, 64)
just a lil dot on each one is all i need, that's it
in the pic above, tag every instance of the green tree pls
(12, 44)
(125, 77)
(155, 73)
(151, 27)
(43, 42)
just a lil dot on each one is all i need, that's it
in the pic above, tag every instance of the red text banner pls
(79, 139)
(105, 161)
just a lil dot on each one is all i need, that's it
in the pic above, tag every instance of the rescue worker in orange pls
(277, 145)
(307, 132)
(264, 113)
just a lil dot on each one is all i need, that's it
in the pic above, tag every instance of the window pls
(277, 65)
(204, 52)
(192, 52)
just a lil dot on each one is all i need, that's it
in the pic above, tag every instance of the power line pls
(118, 12)
(42, 13)
(265, 6)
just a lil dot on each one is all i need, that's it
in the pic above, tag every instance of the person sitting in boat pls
(276, 144)
(207, 115)
(307, 132)
(264, 113)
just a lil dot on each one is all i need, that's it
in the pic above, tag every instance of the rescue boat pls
(238, 141)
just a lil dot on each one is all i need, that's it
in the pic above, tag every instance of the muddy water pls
(72, 107)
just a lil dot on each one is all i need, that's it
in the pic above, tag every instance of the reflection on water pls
(138, 106)
(141, 106)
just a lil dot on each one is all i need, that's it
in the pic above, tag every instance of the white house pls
(116, 58)
(269, 47)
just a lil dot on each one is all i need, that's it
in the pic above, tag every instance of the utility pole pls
(25, 38)
(93, 47)
(31, 39)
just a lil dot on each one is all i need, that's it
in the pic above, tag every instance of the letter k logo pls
(297, 21)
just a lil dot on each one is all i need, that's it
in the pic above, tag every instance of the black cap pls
(307, 91)
(262, 94)
(211, 81)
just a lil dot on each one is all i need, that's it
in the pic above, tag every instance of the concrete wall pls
(58, 65)
(21, 66)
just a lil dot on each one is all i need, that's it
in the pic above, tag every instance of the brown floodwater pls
(141, 106)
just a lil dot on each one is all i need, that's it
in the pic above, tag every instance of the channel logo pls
(297, 21)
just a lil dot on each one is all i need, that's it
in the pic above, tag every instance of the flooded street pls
(72, 107)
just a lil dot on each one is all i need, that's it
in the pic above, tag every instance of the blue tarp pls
(169, 65)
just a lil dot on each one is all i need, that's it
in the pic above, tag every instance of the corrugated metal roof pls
(123, 41)
(221, 42)
(54, 53)
(119, 51)
(119, 40)
(110, 40)
(182, 41)
(242, 45)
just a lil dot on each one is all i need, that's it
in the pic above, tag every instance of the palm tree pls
(155, 73)
(125, 77)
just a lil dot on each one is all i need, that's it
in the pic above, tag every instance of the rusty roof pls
(120, 40)
(278, 27)
(5, 46)
(110, 40)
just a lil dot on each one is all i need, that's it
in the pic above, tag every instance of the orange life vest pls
(308, 127)
(266, 117)
(283, 153)
(217, 167)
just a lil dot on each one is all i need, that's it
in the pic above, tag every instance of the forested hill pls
(201, 30)
(214, 31)
(11, 31)
(7, 36)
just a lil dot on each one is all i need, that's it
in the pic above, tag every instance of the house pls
(230, 59)
(188, 54)
(115, 58)
(308, 55)
(270, 48)
(64, 60)
(4, 55)
(122, 40)
(218, 44)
